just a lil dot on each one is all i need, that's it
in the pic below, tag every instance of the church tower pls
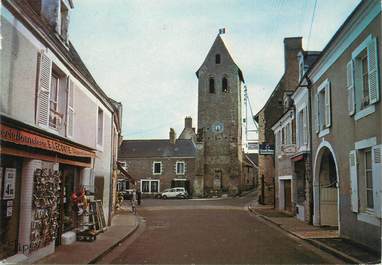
(219, 141)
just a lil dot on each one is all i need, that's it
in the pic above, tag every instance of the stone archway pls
(326, 187)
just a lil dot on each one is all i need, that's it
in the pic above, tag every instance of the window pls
(100, 127)
(225, 85)
(53, 101)
(217, 58)
(323, 107)
(301, 69)
(368, 179)
(302, 127)
(362, 78)
(70, 110)
(157, 167)
(149, 185)
(180, 168)
(212, 85)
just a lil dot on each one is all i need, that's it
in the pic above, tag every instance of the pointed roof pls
(220, 43)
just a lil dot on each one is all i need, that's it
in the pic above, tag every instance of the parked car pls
(179, 193)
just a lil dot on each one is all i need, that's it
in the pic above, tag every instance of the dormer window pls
(212, 85)
(217, 58)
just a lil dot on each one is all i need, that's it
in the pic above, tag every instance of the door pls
(328, 206)
(287, 195)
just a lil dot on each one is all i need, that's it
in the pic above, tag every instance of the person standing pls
(134, 202)
(139, 197)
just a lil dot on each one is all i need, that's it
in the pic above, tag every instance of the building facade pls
(159, 164)
(220, 152)
(347, 128)
(58, 130)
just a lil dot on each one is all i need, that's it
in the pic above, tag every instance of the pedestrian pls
(139, 197)
(133, 202)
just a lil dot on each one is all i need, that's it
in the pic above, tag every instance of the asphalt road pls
(209, 232)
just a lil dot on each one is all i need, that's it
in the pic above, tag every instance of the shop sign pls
(266, 149)
(33, 140)
(9, 183)
(288, 149)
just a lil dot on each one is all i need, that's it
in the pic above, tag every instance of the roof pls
(156, 148)
(220, 41)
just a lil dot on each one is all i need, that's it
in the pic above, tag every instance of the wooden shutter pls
(373, 71)
(350, 87)
(43, 90)
(316, 114)
(328, 109)
(70, 109)
(353, 180)
(376, 159)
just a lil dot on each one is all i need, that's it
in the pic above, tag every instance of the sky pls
(144, 53)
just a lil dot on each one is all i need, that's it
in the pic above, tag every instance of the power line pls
(311, 24)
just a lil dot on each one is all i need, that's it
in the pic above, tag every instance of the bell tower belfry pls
(219, 141)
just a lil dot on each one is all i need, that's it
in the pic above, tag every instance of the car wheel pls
(164, 197)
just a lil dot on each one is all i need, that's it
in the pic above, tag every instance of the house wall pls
(345, 131)
(142, 168)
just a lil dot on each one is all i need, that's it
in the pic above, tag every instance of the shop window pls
(180, 167)
(211, 85)
(157, 167)
(100, 127)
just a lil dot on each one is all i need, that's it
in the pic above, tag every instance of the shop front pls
(41, 189)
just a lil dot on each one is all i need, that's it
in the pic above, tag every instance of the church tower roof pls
(219, 47)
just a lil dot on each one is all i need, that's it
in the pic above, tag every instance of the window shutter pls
(373, 71)
(328, 114)
(305, 127)
(316, 114)
(376, 159)
(45, 74)
(70, 109)
(350, 87)
(353, 180)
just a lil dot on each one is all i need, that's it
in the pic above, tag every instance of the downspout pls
(309, 85)
(111, 172)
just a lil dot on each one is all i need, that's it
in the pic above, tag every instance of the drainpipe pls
(309, 86)
(111, 172)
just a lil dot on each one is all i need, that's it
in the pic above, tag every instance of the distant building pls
(58, 128)
(159, 164)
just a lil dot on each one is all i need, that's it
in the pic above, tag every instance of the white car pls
(179, 193)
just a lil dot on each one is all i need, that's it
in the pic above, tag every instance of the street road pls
(210, 232)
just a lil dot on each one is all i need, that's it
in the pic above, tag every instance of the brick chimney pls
(188, 122)
(292, 46)
(172, 136)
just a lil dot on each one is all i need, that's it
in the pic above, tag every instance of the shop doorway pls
(285, 193)
(10, 184)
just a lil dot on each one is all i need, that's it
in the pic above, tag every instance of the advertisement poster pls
(9, 183)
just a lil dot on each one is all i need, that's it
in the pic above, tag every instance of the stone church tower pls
(219, 138)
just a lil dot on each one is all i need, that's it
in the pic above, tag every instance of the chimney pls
(292, 46)
(188, 123)
(172, 135)
(51, 11)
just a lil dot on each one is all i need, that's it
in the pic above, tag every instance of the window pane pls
(154, 186)
(157, 167)
(53, 88)
(369, 180)
(145, 186)
(368, 160)
(370, 202)
(212, 85)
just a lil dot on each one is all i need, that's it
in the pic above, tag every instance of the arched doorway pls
(326, 187)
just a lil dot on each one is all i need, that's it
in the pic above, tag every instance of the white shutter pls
(316, 114)
(376, 159)
(353, 180)
(70, 109)
(43, 92)
(305, 125)
(350, 87)
(328, 114)
(372, 57)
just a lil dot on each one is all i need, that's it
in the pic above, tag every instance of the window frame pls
(183, 172)
(211, 85)
(217, 58)
(149, 185)
(368, 170)
(160, 168)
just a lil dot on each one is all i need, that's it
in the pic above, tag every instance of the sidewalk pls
(324, 238)
(123, 225)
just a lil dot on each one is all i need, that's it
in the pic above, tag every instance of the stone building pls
(159, 164)
(345, 91)
(57, 126)
(270, 113)
(219, 141)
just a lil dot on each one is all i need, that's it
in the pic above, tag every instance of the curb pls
(104, 253)
(346, 258)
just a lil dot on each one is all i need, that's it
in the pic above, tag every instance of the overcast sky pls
(145, 53)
